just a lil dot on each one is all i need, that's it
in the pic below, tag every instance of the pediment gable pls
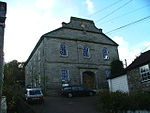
(80, 29)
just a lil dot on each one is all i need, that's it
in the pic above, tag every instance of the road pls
(67, 105)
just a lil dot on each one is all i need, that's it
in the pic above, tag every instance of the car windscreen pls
(67, 88)
(81, 89)
(34, 92)
(75, 88)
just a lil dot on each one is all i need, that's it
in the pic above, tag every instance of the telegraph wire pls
(146, 47)
(125, 14)
(105, 8)
(142, 51)
(114, 11)
(128, 24)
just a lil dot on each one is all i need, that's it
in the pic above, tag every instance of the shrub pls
(115, 102)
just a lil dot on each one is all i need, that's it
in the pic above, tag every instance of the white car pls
(34, 94)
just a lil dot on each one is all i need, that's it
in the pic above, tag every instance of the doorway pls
(89, 79)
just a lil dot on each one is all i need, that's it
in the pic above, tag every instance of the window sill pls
(143, 81)
(87, 57)
(63, 55)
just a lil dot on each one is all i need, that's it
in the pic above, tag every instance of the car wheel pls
(91, 93)
(70, 95)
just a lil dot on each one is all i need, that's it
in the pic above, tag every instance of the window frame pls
(86, 52)
(105, 53)
(145, 73)
(107, 73)
(65, 76)
(63, 50)
(39, 55)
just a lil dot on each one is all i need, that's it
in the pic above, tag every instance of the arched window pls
(107, 73)
(63, 50)
(105, 54)
(86, 52)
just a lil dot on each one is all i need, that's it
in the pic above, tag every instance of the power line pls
(114, 11)
(146, 47)
(105, 8)
(142, 51)
(125, 14)
(128, 24)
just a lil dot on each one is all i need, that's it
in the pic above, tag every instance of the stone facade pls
(84, 62)
(135, 81)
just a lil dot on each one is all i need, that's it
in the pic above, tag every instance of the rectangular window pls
(63, 50)
(86, 52)
(145, 73)
(39, 55)
(65, 75)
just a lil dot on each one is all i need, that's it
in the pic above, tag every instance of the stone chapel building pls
(78, 53)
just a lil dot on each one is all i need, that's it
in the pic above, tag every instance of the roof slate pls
(143, 59)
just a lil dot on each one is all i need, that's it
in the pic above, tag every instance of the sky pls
(28, 20)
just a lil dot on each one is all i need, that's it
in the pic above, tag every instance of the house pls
(77, 53)
(139, 73)
(136, 78)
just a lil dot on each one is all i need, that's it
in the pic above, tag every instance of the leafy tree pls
(13, 82)
(14, 72)
(117, 68)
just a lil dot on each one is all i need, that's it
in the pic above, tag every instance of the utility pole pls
(3, 7)
(125, 63)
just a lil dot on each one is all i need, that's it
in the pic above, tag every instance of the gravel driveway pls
(67, 105)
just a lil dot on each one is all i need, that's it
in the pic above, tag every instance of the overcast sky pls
(28, 20)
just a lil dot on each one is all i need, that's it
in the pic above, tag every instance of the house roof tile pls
(143, 59)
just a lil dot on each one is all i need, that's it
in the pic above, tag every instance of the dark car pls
(71, 91)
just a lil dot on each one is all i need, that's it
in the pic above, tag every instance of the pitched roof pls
(143, 59)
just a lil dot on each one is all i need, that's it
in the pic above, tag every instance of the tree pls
(13, 82)
(117, 68)
(14, 72)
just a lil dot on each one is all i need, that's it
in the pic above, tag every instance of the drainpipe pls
(3, 7)
(44, 65)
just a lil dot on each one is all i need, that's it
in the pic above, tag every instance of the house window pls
(105, 54)
(86, 52)
(39, 57)
(145, 73)
(107, 73)
(63, 50)
(64, 75)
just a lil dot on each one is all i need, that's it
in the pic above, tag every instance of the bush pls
(115, 102)
(12, 93)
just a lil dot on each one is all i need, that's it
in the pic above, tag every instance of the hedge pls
(116, 102)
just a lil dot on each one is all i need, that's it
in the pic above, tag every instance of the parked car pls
(71, 91)
(34, 94)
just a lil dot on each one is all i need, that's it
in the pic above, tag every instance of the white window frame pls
(63, 50)
(105, 53)
(145, 73)
(64, 74)
(86, 53)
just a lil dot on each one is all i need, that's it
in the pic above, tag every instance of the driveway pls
(67, 105)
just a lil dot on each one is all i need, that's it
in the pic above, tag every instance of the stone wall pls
(135, 81)
(46, 61)
(75, 62)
